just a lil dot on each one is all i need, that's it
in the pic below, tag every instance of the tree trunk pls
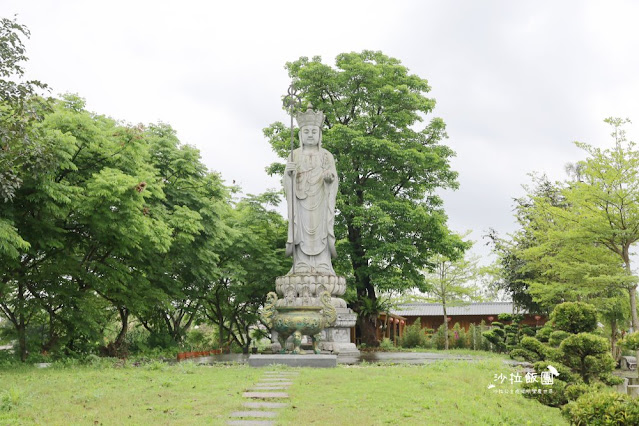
(124, 321)
(632, 290)
(633, 307)
(446, 325)
(22, 340)
(368, 328)
(613, 338)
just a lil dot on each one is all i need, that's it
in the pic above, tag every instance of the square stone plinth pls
(315, 361)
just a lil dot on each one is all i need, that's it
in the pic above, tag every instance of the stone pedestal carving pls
(304, 290)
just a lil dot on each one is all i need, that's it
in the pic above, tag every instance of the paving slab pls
(265, 395)
(251, 422)
(254, 414)
(311, 360)
(263, 388)
(274, 383)
(264, 405)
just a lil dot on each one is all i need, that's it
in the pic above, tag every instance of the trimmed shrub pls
(413, 336)
(497, 336)
(475, 340)
(543, 334)
(587, 355)
(551, 395)
(574, 317)
(556, 337)
(459, 338)
(386, 344)
(602, 408)
(574, 391)
(535, 347)
(631, 341)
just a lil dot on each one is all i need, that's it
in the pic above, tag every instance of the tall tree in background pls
(20, 107)
(605, 201)
(390, 221)
(451, 283)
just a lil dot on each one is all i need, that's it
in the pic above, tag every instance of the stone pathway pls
(263, 399)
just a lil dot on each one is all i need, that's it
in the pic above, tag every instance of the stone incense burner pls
(299, 321)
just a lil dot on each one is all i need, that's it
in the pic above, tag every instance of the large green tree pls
(249, 266)
(605, 201)
(390, 221)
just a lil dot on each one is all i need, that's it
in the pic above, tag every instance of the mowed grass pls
(441, 393)
(182, 394)
(444, 392)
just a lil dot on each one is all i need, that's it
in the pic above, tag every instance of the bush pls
(556, 337)
(554, 396)
(602, 408)
(574, 317)
(201, 338)
(543, 334)
(630, 341)
(413, 336)
(530, 349)
(439, 338)
(386, 344)
(459, 337)
(587, 355)
(574, 391)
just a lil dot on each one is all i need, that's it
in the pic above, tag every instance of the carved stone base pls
(337, 339)
(301, 290)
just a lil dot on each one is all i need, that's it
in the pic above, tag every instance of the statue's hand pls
(328, 177)
(290, 168)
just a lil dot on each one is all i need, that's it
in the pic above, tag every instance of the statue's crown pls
(310, 118)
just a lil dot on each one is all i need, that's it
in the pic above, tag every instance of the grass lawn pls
(445, 392)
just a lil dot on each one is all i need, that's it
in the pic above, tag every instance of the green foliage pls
(574, 317)
(587, 355)
(10, 399)
(631, 341)
(391, 221)
(602, 408)
(574, 391)
(201, 338)
(459, 337)
(551, 395)
(439, 337)
(556, 337)
(386, 344)
(543, 334)
(475, 339)
(532, 350)
(414, 336)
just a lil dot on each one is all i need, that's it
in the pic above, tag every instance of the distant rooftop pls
(435, 309)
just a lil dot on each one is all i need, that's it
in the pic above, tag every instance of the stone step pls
(274, 384)
(261, 388)
(254, 414)
(265, 395)
(251, 422)
(264, 405)
(277, 379)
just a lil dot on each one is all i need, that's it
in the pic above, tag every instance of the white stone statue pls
(311, 202)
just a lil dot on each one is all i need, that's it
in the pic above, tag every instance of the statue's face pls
(310, 135)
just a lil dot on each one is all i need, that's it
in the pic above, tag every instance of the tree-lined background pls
(116, 238)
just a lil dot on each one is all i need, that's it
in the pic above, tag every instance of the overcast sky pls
(516, 82)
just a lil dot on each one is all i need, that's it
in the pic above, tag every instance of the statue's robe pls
(311, 211)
